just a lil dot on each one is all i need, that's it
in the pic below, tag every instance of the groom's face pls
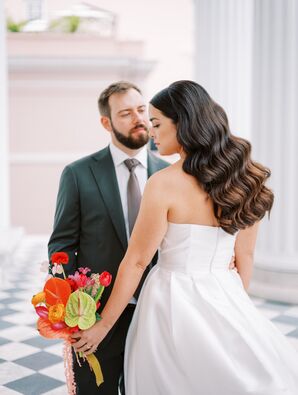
(129, 122)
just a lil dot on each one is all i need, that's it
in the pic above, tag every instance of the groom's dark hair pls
(116, 87)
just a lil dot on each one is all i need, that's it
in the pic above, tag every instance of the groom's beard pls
(135, 139)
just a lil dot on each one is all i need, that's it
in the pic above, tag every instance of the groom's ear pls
(106, 123)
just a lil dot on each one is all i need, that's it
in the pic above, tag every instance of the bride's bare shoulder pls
(163, 179)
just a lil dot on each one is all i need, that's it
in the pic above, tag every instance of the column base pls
(274, 283)
(9, 241)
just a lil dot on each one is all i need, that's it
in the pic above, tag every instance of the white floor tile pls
(10, 371)
(257, 301)
(22, 318)
(22, 306)
(18, 333)
(57, 391)
(269, 313)
(292, 311)
(13, 351)
(55, 371)
(284, 328)
(57, 349)
(27, 295)
(8, 391)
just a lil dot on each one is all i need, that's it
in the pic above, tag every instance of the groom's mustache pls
(139, 126)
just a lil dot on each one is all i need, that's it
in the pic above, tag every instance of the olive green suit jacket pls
(89, 223)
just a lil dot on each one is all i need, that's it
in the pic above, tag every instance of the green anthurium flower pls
(80, 310)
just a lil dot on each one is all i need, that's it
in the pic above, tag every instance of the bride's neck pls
(182, 155)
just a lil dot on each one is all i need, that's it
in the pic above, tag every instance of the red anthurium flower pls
(61, 258)
(105, 279)
(56, 291)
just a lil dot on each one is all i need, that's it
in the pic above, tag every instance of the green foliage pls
(67, 24)
(74, 22)
(13, 26)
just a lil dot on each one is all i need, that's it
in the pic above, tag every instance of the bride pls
(195, 330)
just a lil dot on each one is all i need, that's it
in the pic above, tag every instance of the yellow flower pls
(56, 313)
(38, 298)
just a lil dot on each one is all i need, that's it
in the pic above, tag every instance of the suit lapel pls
(104, 173)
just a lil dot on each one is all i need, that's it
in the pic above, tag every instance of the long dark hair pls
(220, 161)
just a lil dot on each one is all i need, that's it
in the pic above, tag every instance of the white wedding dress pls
(195, 331)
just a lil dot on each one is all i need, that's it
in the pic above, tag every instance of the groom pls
(97, 204)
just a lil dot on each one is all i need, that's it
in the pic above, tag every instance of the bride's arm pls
(244, 252)
(148, 232)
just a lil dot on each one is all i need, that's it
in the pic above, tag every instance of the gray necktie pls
(133, 193)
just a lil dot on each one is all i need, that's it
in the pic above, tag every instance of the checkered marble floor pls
(31, 365)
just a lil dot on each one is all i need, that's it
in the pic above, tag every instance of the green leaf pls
(80, 310)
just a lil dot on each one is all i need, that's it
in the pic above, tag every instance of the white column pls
(247, 58)
(224, 31)
(275, 128)
(4, 166)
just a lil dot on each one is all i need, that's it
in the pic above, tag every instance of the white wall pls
(4, 184)
(166, 27)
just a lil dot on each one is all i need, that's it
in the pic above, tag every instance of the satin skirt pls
(200, 334)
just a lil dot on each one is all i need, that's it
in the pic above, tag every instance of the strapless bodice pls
(190, 248)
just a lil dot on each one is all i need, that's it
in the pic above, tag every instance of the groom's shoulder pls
(158, 162)
(85, 161)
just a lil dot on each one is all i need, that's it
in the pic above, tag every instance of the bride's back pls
(188, 203)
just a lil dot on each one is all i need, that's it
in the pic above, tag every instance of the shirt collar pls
(119, 156)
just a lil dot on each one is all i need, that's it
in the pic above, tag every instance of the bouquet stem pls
(63, 272)
(99, 293)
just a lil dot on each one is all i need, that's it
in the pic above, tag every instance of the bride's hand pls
(232, 265)
(88, 340)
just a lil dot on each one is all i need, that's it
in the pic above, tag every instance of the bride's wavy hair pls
(220, 161)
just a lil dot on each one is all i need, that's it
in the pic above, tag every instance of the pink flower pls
(81, 280)
(84, 270)
(42, 311)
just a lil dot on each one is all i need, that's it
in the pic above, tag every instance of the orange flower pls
(56, 313)
(38, 298)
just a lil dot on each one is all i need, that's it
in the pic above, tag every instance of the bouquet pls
(68, 305)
